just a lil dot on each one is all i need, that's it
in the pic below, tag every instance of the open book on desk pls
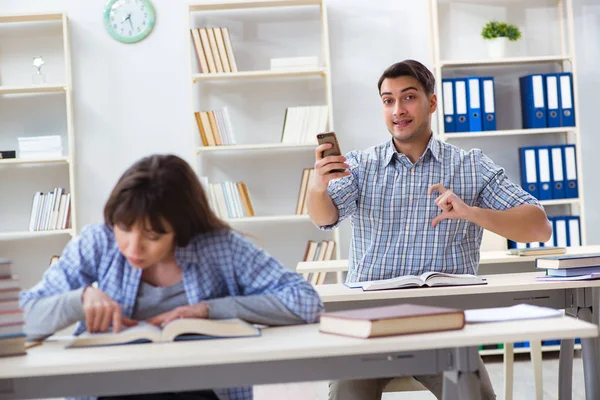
(176, 330)
(430, 279)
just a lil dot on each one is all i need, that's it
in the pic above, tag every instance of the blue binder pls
(552, 100)
(529, 173)
(474, 104)
(570, 162)
(544, 174)
(488, 103)
(460, 103)
(533, 105)
(561, 232)
(558, 172)
(448, 104)
(567, 111)
(573, 231)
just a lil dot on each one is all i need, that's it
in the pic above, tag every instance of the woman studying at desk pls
(163, 254)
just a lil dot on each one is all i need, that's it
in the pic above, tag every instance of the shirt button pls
(403, 255)
(410, 197)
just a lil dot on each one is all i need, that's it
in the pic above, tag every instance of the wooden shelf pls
(260, 74)
(32, 89)
(559, 202)
(252, 4)
(502, 61)
(34, 234)
(522, 350)
(511, 132)
(35, 17)
(29, 161)
(239, 147)
(271, 218)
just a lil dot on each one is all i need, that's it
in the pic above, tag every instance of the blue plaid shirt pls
(214, 265)
(386, 196)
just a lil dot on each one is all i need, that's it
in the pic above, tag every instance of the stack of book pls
(229, 199)
(301, 207)
(302, 124)
(577, 267)
(12, 338)
(215, 127)
(50, 211)
(214, 50)
(40, 146)
(318, 251)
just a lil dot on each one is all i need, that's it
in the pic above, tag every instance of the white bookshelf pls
(546, 46)
(263, 74)
(34, 109)
(257, 97)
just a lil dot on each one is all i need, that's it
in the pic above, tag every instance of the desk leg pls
(590, 354)
(565, 369)
(462, 382)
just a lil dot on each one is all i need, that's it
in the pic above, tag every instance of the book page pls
(198, 328)
(139, 333)
(393, 283)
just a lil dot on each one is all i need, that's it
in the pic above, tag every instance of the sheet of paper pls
(518, 312)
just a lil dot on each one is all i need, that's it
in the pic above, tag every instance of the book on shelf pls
(50, 211)
(214, 50)
(318, 251)
(176, 330)
(215, 127)
(302, 124)
(49, 146)
(537, 251)
(427, 279)
(391, 320)
(229, 199)
(301, 207)
(568, 261)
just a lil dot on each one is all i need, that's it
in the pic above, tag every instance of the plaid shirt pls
(386, 196)
(214, 265)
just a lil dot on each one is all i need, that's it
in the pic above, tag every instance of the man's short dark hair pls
(410, 68)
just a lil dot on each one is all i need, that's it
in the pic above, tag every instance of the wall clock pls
(129, 21)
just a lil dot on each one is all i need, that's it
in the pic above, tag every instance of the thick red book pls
(392, 320)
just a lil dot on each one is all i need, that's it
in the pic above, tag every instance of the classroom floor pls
(523, 383)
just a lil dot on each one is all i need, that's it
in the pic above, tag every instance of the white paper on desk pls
(514, 313)
(354, 285)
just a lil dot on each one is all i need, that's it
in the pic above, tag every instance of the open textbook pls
(179, 329)
(431, 278)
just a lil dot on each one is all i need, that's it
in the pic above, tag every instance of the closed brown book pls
(392, 320)
(203, 136)
(202, 60)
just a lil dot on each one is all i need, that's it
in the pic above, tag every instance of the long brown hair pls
(162, 187)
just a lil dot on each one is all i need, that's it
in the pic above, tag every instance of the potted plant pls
(497, 34)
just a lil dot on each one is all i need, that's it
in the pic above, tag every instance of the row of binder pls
(547, 100)
(566, 231)
(469, 104)
(549, 172)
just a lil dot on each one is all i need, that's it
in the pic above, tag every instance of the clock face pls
(129, 21)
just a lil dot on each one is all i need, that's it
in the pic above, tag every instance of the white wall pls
(131, 100)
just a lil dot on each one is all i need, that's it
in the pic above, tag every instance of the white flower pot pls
(497, 47)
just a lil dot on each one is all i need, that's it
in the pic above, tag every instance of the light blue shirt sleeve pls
(76, 267)
(499, 192)
(257, 273)
(344, 191)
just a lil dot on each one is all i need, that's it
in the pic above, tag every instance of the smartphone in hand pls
(329, 137)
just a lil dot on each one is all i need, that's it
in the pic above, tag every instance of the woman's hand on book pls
(101, 311)
(199, 310)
